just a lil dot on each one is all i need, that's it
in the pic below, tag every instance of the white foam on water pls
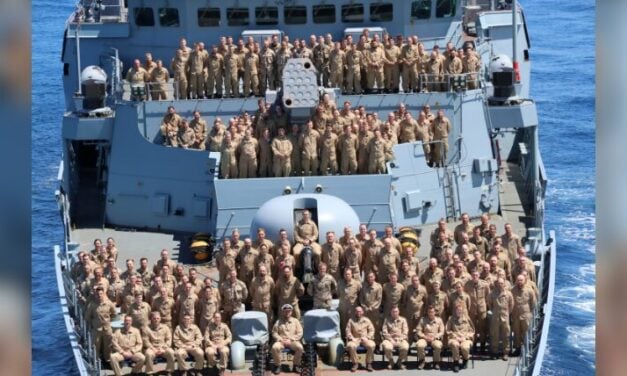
(575, 294)
(582, 338)
(578, 227)
(578, 188)
(588, 270)
(581, 296)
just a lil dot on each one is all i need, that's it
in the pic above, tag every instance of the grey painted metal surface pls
(164, 194)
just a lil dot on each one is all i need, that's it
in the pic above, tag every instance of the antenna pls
(80, 9)
(514, 40)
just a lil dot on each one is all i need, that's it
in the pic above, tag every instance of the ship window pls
(352, 13)
(295, 15)
(267, 16)
(237, 17)
(144, 17)
(445, 8)
(381, 12)
(169, 17)
(421, 10)
(208, 17)
(324, 14)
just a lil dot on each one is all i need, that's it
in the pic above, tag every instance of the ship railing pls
(450, 82)
(528, 348)
(102, 11)
(482, 4)
(77, 311)
(148, 90)
(426, 83)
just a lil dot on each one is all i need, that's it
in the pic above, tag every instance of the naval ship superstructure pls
(117, 179)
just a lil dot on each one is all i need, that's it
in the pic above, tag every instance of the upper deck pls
(428, 18)
(124, 30)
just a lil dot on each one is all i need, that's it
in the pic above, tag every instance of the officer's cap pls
(286, 306)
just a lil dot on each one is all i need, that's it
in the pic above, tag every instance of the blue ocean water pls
(562, 53)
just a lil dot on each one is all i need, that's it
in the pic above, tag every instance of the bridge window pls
(267, 15)
(237, 17)
(169, 17)
(208, 17)
(381, 12)
(144, 16)
(445, 8)
(352, 13)
(421, 10)
(295, 15)
(324, 14)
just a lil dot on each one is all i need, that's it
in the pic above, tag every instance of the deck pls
(136, 244)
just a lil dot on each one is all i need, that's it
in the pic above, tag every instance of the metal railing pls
(530, 346)
(449, 82)
(426, 83)
(101, 11)
(147, 91)
(77, 313)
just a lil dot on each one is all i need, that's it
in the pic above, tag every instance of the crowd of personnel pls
(372, 63)
(478, 287)
(347, 141)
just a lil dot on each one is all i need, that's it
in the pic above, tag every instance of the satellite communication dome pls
(93, 74)
(330, 213)
(501, 63)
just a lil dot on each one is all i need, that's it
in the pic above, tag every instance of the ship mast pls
(78, 51)
(514, 40)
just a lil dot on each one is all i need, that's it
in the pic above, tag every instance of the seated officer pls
(287, 333)
(217, 341)
(157, 339)
(127, 345)
(306, 234)
(394, 333)
(187, 341)
(460, 333)
(360, 332)
(429, 332)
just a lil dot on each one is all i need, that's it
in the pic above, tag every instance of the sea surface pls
(562, 54)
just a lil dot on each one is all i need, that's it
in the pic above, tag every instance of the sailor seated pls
(127, 345)
(217, 340)
(287, 333)
(394, 333)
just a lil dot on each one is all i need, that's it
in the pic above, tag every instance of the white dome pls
(332, 213)
(501, 63)
(93, 73)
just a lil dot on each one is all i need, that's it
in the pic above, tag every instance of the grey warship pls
(127, 177)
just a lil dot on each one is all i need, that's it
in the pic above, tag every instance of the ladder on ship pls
(452, 210)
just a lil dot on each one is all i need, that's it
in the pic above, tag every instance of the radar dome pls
(330, 213)
(93, 73)
(501, 63)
